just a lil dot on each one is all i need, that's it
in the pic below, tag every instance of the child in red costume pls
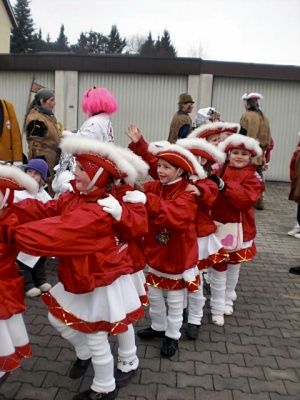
(210, 249)
(94, 268)
(171, 243)
(14, 343)
(235, 203)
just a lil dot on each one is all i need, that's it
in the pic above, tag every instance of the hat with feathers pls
(178, 156)
(251, 96)
(13, 178)
(136, 161)
(100, 160)
(201, 147)
(214, 128)
(237, 141)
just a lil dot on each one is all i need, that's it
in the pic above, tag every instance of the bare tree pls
(134, 44)
(197, 51)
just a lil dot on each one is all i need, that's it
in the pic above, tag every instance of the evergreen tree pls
(81, 47)
(22, 36)
(62, 43)
(39, 43)
(148, 47)
(115, 43)
(165, 48)
(97, 43)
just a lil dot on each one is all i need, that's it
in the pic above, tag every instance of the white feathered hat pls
(136, 161)
(202, 148)
(238, 141)
(178, 156)
(252, 96)
(214, 128)
(100, 160)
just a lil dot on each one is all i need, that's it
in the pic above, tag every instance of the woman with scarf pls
(42, 131)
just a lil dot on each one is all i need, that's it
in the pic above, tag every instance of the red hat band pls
(178, 160)
(91, 164)
(202, 153)
(240, 146)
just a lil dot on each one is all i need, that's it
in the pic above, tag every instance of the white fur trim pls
(212, 126)
(248, 96)
(136, 161)
(237, 139)
(156, 147)
(16, 175)
(81, 144)
(202, 144)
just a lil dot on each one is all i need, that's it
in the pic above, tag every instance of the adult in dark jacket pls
(181, 124)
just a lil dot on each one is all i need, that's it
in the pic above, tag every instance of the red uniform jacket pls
(171, 212)
(243, 189)
(11, 284)
(77, 230)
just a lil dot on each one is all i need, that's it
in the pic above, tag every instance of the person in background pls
(206, 115)
(255, 124)
(181, 124)
(33, 268)
(295, 185)
(42, 131)
(98, 104)
(10, 135)
(14, 342)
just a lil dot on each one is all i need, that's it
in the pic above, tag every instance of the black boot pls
(192, 331)
(79, 368)
(91, 395)
(150, 333)
(123, 378)
(294, 270)
(169, 348)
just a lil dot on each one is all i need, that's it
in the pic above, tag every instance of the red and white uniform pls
(93, 268)
(14, 342)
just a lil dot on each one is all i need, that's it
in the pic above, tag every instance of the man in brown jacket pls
(181, 124)
(255, 124)
(10, 135)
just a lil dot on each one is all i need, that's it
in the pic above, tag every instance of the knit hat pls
(178, 156)
(99, 160)
(202, 148)
(39, 165)
(13, 178)
(44, 94)
(237, 141)
(252, 96)
(185, 98)
(214, 128)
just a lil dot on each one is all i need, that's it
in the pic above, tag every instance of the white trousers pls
(13, 334)
(222, 288)
(93, 345)
(127, 357)
(160, 320)
(196, 302)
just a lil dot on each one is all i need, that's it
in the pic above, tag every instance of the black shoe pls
(123, 378)
(91, 395)
(169, 348)
(79, 368)
(192, 331)
(4, 377)
(150, 333)
(295, 270)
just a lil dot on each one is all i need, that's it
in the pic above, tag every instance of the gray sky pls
(258, 31)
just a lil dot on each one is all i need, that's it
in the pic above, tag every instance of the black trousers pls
(34, 277)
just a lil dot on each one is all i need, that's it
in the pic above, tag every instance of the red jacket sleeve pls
(141, 149)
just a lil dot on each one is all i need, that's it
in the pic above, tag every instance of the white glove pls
(134, 196)
(111, 206)
(61, 183)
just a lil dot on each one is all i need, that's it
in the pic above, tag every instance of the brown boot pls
(260, 205)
